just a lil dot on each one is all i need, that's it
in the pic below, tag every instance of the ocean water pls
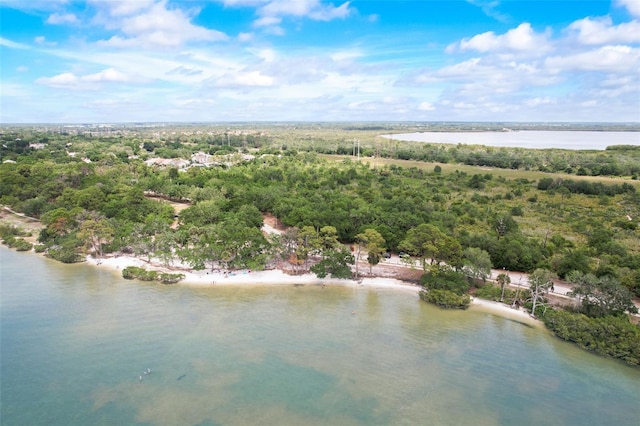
(534, 139)
(75, 339)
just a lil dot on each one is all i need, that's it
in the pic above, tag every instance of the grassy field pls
(471, 170)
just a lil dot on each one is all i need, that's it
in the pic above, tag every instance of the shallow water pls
(75, 339)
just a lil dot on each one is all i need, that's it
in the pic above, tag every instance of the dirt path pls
(29, 224)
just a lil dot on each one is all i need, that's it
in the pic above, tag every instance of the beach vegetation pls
(20, 244)
(335, 262)
(496, 294)
(444, 277)
(612, 336)
(137, 273)
(446, 299)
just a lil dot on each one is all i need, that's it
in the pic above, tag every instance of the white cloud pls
(266, 21)
(64, 80)
(426, 106)
(62, 18)
(520, 39)
(633, 6)
(267, 55)
(185, 71)
(602, 31)
(615, 59)
(123, 7)
(108, 75)
(346, 55)
(535, 102)
(35, 5)
(251, 3)
(69, 80)
(12, 44)
(148, 24)
(14, 90)
(22, 68)
(43, 41)
(489, 8)
(244, 79)
(272, 12)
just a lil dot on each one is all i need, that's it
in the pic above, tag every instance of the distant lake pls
(527, 139)
(76, 339)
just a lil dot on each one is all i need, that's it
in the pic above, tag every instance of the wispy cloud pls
(491, 9)
(13, 44)
(62, 18)
(69, 80)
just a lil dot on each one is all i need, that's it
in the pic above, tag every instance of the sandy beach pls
(207, 278)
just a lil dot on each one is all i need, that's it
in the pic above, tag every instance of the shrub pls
(22, 245)
(64, 254)
(446, 299)
(7, 231)
(613, 336)
(134, 272)
(166, 278)
(445, 278)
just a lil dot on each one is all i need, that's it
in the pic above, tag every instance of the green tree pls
(335, 262)
(203, 213)
(601, 296)
(426, 241)
(477, 263)
(572, 260)
(373, 243)
(308, 241)
(95, 232)
(504, 225)
(328, 236)
(239, 245)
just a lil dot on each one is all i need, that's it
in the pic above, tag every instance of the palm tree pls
(503, 279)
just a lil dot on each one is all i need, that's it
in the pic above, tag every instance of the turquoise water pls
(75, 339)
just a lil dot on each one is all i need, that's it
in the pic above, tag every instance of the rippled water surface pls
(75, 339)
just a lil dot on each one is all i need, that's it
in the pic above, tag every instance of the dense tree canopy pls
(438, 216)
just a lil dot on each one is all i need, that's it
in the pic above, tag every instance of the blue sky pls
(108, 61)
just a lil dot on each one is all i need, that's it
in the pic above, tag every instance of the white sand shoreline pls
(272, 277)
